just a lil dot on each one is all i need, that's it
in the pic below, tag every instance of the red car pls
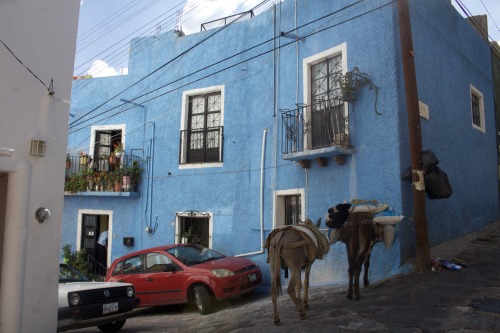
(185, 273)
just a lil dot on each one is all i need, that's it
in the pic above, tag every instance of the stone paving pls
(465, 301)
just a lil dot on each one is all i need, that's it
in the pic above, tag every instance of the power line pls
(238, 63)
(49, 89)
(165, 64)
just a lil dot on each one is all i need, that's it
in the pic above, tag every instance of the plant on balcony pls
(134, 172)
(84, 158)
(76, 183)
(351, 82)
(118, 149)
(113, 180)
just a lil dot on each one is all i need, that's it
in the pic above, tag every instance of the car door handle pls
(149, 279)
(121, 280)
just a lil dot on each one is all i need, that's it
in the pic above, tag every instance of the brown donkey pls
(294, 247)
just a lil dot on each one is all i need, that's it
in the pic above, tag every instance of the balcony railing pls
(315, 131)
(203, 145)
(103, 173)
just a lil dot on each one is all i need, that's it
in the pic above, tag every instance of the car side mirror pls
(170, 268)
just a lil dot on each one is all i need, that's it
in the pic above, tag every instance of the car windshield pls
(70, 274)
(193, 254)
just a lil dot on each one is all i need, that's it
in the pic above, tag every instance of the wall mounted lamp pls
(42, 214)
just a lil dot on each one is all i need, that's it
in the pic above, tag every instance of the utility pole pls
(412, 108)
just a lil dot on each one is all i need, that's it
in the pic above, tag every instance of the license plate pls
(109, 308)
(252, 277)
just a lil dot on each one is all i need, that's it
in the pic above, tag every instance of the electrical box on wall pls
(424, 110)
(128, 241)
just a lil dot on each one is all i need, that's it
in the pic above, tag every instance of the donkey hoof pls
(302, 315)
(366, 283)
(358, 297)
(277, 322)
(349, 296)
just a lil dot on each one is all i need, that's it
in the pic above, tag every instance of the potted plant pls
(76, 183)
(118, 149)
(351, 82)
(135, 173)
(83, 158)
(113, 180)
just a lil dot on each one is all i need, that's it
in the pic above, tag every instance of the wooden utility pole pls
(419, 215)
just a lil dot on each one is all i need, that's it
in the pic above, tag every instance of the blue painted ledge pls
(104, 194)
(311, 154)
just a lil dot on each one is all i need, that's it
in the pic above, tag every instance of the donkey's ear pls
(318, 223)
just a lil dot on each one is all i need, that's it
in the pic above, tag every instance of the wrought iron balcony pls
(201, 145)
(315, 131)
(102, 173)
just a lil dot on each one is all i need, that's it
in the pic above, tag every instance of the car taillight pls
(74, 299)
(130, 291)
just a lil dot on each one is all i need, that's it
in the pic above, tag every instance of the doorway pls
(94, 226)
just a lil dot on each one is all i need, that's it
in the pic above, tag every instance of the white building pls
(37, 48)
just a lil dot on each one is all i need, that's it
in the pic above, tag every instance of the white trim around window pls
(279, 205)
(474, 92)
(94, 129)
(307, 63)
(184, 122)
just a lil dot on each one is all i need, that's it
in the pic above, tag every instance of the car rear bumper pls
(69, 318)
(238, 285)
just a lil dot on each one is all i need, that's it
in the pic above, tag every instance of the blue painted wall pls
(255, 91)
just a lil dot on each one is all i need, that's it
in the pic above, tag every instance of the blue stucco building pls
(244, 128)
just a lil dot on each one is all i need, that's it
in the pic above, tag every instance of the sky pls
(106, 27)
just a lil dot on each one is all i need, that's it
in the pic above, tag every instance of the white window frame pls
(82, 212)
(180, 215)
(307, 63)
(184, 124)
(94, 129)
(279, 205)
(475, 91)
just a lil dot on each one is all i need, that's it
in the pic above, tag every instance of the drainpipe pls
(261, 199)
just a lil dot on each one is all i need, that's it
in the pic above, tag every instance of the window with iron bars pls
(328, 120)
(201, 142)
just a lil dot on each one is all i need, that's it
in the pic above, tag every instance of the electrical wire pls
(165, 64)
(236, 64)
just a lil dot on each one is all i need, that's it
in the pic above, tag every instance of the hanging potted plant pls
(351, 82)
(83, 158)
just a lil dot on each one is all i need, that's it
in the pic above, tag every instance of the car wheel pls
(112, 327)
(202, 300)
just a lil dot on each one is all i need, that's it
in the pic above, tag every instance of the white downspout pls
(264, 135)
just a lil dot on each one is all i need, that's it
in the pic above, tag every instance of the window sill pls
(320, 154)
(104, 194)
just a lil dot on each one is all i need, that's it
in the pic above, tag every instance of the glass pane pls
(335, 64)
(196, 140)
(213, 139)
(198, 122)
(197, 105)
(213, 103)
(318, 70)
(213, 120)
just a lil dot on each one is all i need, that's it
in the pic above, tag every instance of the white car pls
(83, 303)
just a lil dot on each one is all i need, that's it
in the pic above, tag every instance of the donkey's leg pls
(293, 285)
(275, 269)
(366, 282)
(305, 300)
(357, 273)
(351, 258)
